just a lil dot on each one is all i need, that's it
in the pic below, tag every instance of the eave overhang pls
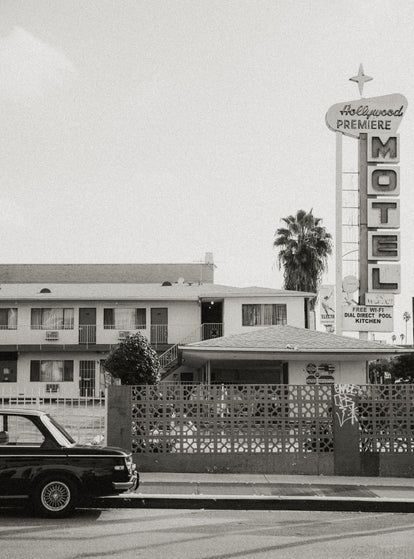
(199, 355)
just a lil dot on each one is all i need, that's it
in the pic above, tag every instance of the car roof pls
(14, 411)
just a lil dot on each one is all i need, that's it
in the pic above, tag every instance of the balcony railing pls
(86, 335)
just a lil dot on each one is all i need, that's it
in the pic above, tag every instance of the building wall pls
(232, 312)
(264, 371)
(346, 372)
(183, 318)
(66, 389)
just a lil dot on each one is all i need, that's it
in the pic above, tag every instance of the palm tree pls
(304, 246)
(406, 317)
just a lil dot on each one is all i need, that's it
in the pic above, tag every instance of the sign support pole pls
(374, 123)
(338, 236)
(363, 223)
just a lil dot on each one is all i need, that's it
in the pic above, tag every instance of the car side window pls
(22, 432)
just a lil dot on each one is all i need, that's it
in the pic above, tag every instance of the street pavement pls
(268, 491)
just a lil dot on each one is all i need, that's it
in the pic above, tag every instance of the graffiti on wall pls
(345, 407)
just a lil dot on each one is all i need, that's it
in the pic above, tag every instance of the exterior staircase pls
(169, 360)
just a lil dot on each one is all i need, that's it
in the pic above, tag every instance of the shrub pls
(134, 361)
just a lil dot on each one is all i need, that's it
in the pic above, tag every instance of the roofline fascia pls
(91, 298)
(217, 349)
(193, 298)
(238, 295)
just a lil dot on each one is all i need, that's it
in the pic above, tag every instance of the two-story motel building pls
(59, 321)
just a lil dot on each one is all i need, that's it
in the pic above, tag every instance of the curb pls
(265, 502)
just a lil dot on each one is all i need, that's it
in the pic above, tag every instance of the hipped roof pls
(106, 273)
(291, 340)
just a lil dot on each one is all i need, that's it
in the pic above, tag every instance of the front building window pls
(51, 371)
(8, 319)
(264, 315)
(52, 319)
(125, 319)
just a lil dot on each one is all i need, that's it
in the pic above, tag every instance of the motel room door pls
(159, 325)
(87, 326)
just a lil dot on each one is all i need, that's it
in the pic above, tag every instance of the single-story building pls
(282, 355)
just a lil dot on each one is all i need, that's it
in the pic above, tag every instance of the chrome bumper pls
(131, 484)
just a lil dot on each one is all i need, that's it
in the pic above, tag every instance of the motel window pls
(51, 371)
(263, 315)
(52, 319)
(125, 319)
(8, 319)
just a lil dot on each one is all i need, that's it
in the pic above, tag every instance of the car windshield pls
(60, 434)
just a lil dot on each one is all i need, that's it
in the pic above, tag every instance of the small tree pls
(134, 361)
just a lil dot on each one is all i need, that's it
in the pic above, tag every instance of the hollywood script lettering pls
(364, 110)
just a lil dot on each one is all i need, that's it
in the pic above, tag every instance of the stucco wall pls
(346, 372)
(232, 312)
(183, 318)
(67, 389)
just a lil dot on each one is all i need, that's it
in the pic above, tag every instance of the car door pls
(22, 453)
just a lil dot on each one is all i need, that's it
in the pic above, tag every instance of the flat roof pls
(138, 291)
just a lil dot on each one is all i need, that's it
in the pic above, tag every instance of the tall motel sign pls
(374, 123)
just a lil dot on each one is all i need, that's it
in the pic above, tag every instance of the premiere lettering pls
(356, 124)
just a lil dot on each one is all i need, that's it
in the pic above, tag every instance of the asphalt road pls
(218, 534)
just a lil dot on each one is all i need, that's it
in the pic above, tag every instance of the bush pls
(134, 361)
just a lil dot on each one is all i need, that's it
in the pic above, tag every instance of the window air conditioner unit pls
(52, 335)
(123, 334)
(52, 387)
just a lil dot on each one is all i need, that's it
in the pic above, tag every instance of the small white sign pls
(327, 304)
(379, 299)
(367, 319)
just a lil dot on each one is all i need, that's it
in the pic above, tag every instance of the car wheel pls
(55, 497)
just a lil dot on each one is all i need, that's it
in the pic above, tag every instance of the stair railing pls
(205, 331)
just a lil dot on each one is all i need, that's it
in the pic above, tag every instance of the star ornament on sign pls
(360, 79)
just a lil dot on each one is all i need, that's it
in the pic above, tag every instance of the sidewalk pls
(269, 491)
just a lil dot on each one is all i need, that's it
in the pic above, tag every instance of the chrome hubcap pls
(55, 496)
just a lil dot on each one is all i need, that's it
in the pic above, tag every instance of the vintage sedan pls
(40, 461)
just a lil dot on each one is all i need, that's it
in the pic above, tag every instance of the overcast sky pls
(156, 131)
